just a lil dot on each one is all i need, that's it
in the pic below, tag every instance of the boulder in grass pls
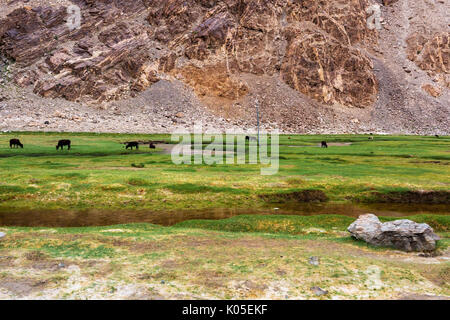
(402, 234)
(2, 235)
(315, 261)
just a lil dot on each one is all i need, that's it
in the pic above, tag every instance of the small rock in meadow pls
(315, 261)
(61, 265)
(318, 291)
(2, 235)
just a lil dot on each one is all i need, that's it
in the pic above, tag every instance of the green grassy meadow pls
(243, 257)
(99, 173)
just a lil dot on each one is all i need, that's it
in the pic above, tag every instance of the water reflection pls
(93, 217)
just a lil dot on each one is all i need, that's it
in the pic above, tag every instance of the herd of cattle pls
(133, 144)
(129, 145)
(15, 143)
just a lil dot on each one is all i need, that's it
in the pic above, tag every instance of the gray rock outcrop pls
(402, 234)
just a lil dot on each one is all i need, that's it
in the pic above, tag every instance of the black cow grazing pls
(152, 146)
(249, 138)
(15, 143)
(437, 136)
(132, 144)
(62, 143)
(324, 144)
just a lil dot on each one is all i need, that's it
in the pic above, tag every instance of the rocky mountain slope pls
(149, 65)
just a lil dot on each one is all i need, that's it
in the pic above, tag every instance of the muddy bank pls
(412, 197)
(296, 196)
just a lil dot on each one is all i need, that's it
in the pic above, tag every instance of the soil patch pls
(6, 261)
(415, 197)
(22, 287)
(415, 296)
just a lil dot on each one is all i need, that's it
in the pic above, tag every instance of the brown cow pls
(132, 144)
(62, 143)
(15, 143)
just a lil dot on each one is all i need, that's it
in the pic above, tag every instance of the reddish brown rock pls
(214, 81)
(56, 60)
(328, 70)
(430, 53)
(432, 90)
(26, 78)
(345, 20)
(388, 2)
(123, 47)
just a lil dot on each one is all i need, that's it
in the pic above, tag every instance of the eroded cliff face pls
(106, 59)
(123, 47)
(431, 53)
(312, 66)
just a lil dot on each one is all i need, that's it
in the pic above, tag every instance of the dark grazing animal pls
(152, 146)
(249, 138)
(132, 144)
(15, 143)
(324, 144)
(62, 143)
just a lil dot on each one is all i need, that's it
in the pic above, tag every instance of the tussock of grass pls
(70, 175)
(78, 250)
(11, 189)
(138, 182)
(309, 195)
(193, 188)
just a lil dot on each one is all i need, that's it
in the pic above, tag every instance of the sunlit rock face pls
(123, 47)
(431, 53)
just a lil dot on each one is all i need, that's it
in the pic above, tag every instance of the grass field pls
(244, 257)
(98, 172)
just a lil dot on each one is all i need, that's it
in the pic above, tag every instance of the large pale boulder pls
(402, 234)
(2, 235)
